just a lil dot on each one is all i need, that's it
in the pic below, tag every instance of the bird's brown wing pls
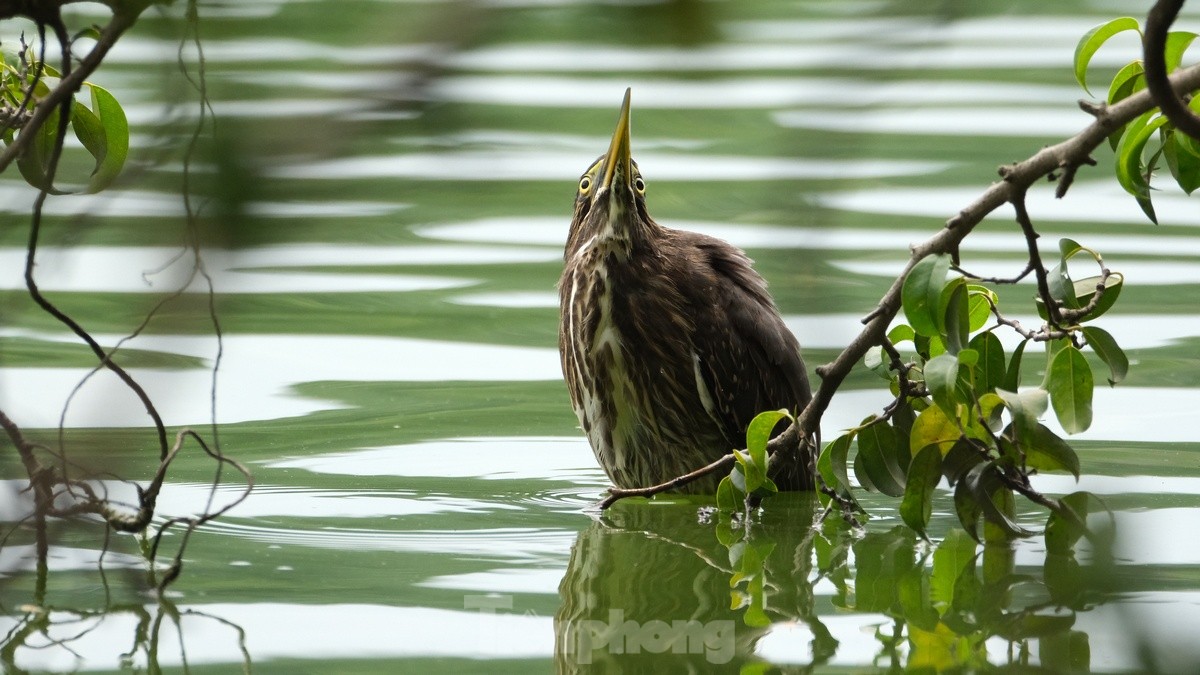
(749, 361)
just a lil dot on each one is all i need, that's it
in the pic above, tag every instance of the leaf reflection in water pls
(649, 587)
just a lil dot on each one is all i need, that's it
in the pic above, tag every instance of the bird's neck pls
(615, 233)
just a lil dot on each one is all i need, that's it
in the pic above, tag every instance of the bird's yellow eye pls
(585, 184)
(639, 185)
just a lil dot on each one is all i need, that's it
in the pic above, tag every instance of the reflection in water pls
(549, 230)
(1090, 203)
(127, 631)
(258, 373)
(648, 587)
(543, 165)
(647, 583)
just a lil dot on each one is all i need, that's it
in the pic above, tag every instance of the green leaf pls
(1053, 347)
(1026, 407)
(877, 449)
(1045, 451)
(1012, 377)
(932, 426)
(34, 163)
(1066, 652)
(966, 507)
(956, 315)
(728, 498)
(1129, 79)
(979, 310)
(994, 500)
(922, 292)
(1083, 290)
(737, 475)
(899, 333)
(968, 357)
(873, 360)
(990, 407)
(923, 476)
(838, 452)
(941, 378)
(759, 432)
(1071, 390)
(860, 472)
(1184, 166)
(1067, 248)
(990, 371)
(1061, 533)
(961, 458)
(1107, 349)
(1061, 287)
(111, 160)
(951, 557)
(1131, 170)
(1177, 44)
(1126, 82)
(1092, 41)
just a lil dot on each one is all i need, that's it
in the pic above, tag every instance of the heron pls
(669, 340)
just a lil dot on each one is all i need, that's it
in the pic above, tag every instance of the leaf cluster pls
(951, 606)
(961, 412)
(1142, 144)
(102, 128)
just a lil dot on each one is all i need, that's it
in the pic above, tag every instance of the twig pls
(1053, 311)
(995, 280)
(1158, 22)
(615, 494)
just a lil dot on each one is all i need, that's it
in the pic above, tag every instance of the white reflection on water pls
(1137, 272)
(1118, 485)
(502, 580)
(271, 269)
(127, 203)
(1165, 620)
(288, 631)
(1120, 414)
(1086, 202)
(185, 499)
(738, 93)
(545, 458)
(540, 546)
(552, 231)
(258, 372)
(518, 299)
(542, 165)
(863, 56)
(1025, 122)
(14, 557)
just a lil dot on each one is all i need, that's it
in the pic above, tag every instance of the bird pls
(669, 339)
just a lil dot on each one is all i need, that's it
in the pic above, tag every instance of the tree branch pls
(69, 85)
(1066, 156)
(1158, 22)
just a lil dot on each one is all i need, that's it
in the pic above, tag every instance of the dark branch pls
(1158, 23)
(616, 494)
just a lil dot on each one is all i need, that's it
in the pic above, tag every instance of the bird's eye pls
(585, 183)
(639, 185)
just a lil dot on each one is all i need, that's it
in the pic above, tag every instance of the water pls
(385, 244)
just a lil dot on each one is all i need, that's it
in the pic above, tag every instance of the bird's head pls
(610, 200)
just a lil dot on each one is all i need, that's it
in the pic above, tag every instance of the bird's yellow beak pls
(617, 161)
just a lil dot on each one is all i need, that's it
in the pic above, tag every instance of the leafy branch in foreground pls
(1152, 137)
(959, 410)
(37, 108)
